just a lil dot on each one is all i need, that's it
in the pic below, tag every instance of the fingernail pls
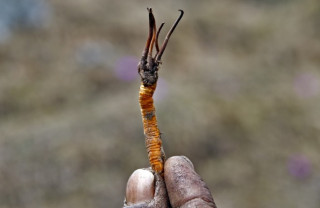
(140, 187)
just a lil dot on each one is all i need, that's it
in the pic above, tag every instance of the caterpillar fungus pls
(148, 70)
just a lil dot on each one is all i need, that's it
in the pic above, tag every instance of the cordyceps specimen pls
(148, 69)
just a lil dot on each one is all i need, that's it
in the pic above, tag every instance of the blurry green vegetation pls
(239, 95)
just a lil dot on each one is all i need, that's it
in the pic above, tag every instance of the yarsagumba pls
(148, 70)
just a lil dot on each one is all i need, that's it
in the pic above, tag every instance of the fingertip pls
(180, 160)
(140, 187)
(184, 185)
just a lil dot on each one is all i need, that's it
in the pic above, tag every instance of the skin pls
(180, 187)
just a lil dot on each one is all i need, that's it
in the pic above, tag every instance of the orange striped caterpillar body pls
(151, 131)
(148, 69)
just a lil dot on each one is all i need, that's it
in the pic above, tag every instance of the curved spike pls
(164, 45)
(154, 31)
(157, 38)
(151, 25)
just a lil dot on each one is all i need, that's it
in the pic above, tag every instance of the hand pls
(181, 187)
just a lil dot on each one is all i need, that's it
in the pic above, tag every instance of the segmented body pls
(151, 131)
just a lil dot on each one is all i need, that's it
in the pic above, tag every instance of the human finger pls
(184, 186)
(146, 189)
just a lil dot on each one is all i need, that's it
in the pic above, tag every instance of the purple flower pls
(306, 85)
(299, 166)
(126, 68)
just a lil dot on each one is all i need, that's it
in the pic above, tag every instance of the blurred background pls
(239, 94)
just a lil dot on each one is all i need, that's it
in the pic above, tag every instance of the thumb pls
(146, 189)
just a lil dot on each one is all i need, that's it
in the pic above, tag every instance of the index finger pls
(184, 186)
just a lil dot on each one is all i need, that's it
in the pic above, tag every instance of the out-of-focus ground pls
(239, 94)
